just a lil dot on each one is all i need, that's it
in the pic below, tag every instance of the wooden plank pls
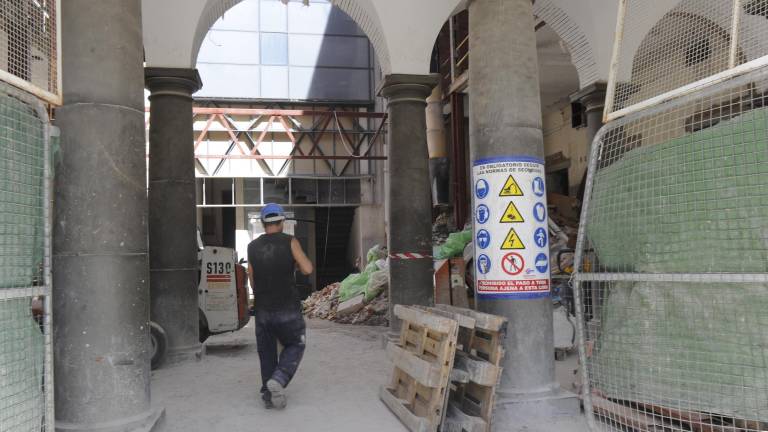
(447, 360)
(459, 296)
(696, 421)
(458, 376)
(400, 410)
(458, 421)
(423, 364)
(625, 416)
(478, 400)
(442, 282)
(424, 319)
(421, 370)
(479, 371)
(484, 321)
(488, 346)
(464, 321)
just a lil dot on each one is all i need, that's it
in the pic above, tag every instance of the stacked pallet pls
(447, 364)
(477, 369)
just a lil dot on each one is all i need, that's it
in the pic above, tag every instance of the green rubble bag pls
(357, 283)
(455, 245)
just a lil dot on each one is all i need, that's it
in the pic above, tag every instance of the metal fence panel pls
(30, 51)
(667, 48)
(672, 264)
(26, 369)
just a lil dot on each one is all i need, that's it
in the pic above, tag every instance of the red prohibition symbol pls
(513, 264)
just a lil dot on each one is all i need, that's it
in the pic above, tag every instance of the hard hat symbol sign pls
(481, 188)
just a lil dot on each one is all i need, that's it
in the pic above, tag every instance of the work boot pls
(266, 397)
(278, 394)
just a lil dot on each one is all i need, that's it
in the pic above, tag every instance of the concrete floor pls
(336, 389)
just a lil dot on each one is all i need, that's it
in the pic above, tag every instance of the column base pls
(558, 410)
(389, 336)
(184, 354)
(147, 422)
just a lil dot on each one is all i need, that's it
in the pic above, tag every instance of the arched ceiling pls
(402, 31)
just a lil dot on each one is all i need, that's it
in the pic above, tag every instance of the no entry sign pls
(511, 238)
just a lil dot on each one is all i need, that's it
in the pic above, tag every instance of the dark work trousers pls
(289, 329)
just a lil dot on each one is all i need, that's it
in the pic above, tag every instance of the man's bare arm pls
(305, 265)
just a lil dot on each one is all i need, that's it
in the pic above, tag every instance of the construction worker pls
(272, 261)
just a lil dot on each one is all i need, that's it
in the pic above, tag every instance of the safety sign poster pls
(511, 235)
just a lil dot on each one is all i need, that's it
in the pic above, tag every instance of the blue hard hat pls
(272, 213)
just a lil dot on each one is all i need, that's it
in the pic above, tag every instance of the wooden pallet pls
(477, 369)
(486, 339)
(423, 359)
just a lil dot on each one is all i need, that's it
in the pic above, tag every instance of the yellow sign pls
(512, 241)
(511, 188)
(512, 214)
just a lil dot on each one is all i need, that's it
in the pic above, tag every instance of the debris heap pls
(325, 304)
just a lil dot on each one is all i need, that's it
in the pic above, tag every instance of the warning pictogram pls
(511, 188)
(512, 214)
(512, 241)
(513, 264)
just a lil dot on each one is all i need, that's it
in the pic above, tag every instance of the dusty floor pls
(336, 388)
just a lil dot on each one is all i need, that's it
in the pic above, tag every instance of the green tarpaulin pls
(697, 204)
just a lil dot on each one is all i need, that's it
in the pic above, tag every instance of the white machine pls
(222, 297)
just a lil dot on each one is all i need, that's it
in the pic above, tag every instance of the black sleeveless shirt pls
(274, 283)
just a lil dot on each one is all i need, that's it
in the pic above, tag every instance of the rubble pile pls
(441, 228)
(324, 304)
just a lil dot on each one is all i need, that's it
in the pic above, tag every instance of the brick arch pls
(582, 54)
(365, 19)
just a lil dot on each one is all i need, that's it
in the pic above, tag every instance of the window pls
(274, 48)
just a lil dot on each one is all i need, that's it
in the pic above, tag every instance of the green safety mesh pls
(22, 251)
(21, 193)
(21, 368)
(695, 204)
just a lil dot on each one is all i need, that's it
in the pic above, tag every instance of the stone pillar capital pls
(399, 88)
(181, 82)
(591, 96)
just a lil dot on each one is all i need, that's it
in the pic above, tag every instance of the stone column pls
(592, 98)
(505, 120)
(172, 211)
(100, 263)
(439, 164)
(410, 202)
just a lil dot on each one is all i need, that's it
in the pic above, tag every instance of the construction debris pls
(324, 304)
(351, 306)
(443, 226)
